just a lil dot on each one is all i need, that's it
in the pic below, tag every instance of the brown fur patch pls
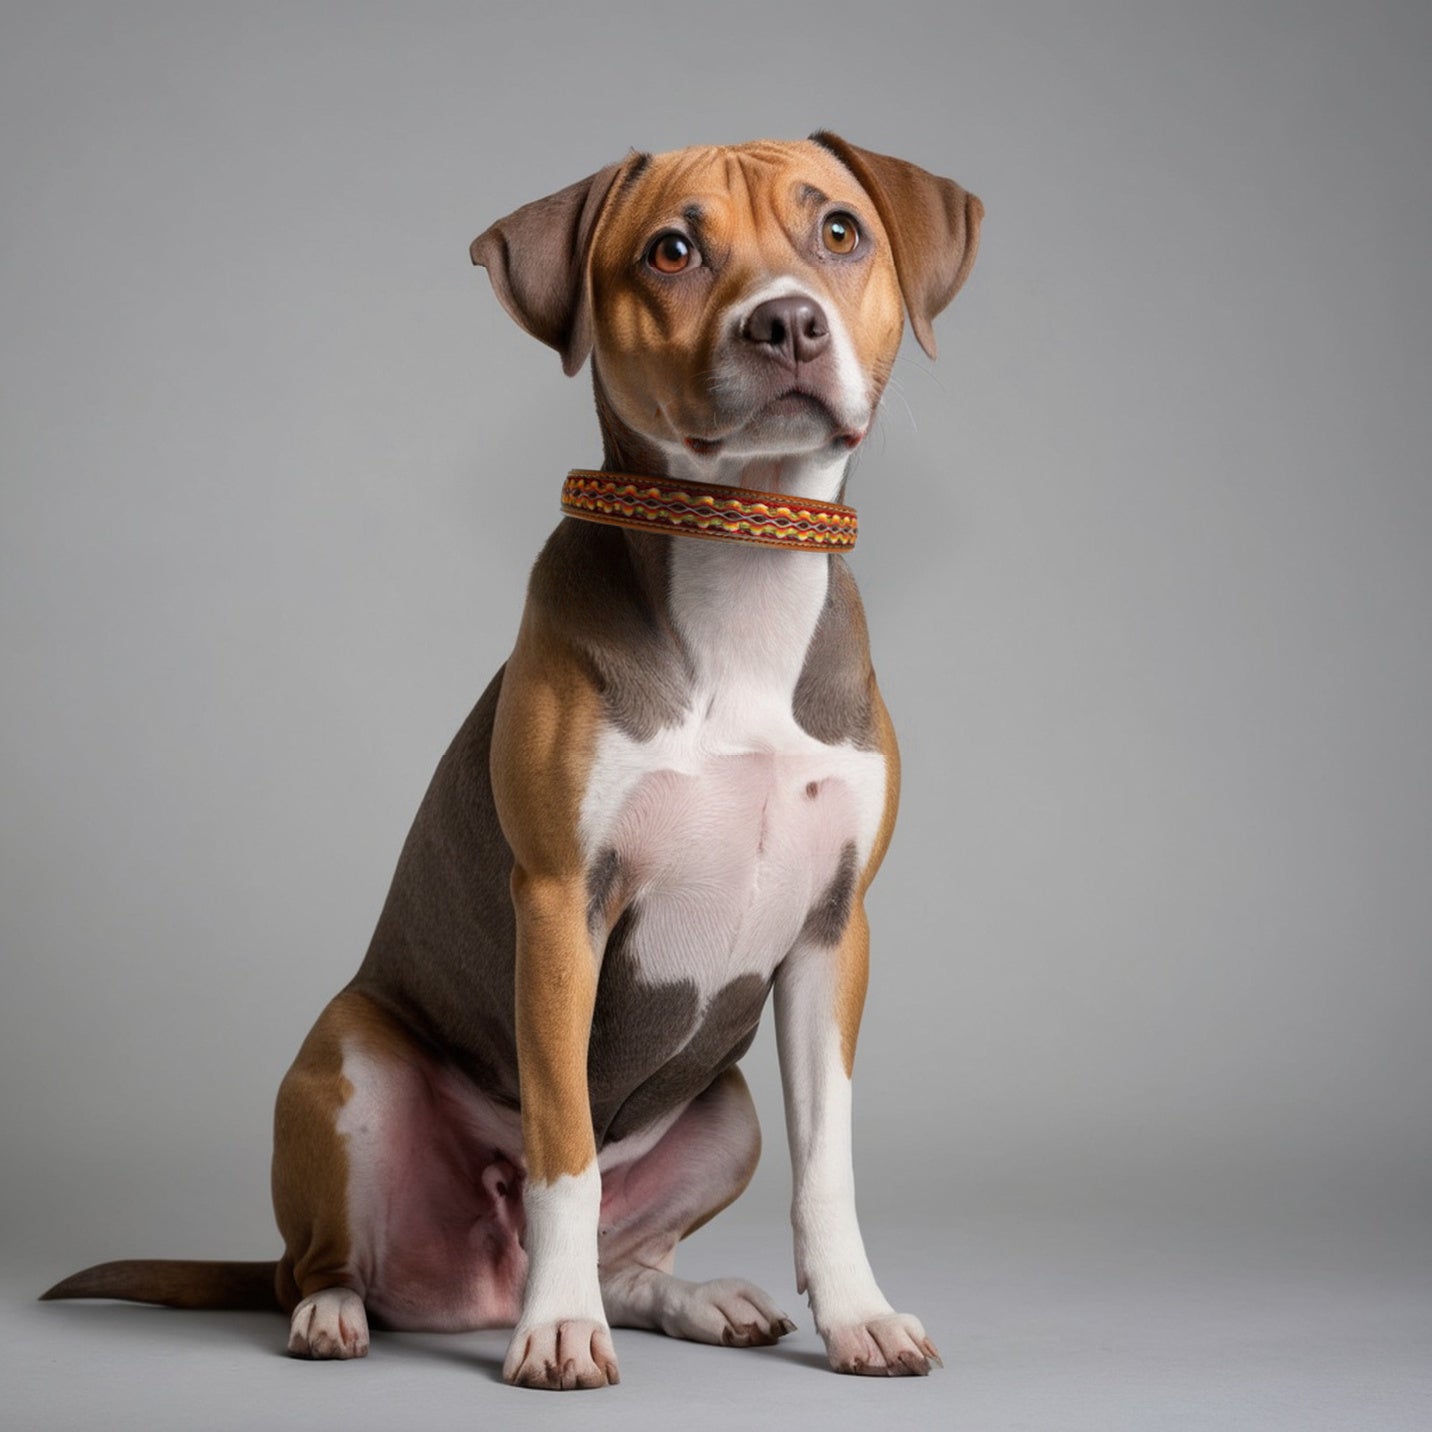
(542, 743)
(174, 1283)
(753, 209)
(310, 1161)
(934, 227)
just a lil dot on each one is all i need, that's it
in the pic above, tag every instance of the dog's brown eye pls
(839, 233)
(672, 253)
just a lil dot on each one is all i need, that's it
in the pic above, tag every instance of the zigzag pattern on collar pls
(706, 509)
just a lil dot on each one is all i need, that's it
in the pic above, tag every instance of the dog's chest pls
(726, 854)
(726, 829)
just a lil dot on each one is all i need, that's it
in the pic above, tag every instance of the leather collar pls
(708, 509)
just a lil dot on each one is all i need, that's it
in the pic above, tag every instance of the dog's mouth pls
(795, 416)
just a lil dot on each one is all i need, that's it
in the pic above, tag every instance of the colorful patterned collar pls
(708, 509)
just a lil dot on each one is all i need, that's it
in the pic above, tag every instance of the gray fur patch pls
(601, 882)
(834, 698)
(830, 914)
(441, 955)
(609, 588)
(652, 1049)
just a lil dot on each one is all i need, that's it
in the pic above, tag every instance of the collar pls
(708, 509)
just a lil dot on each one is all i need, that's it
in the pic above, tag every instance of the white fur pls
(562, 1338)
(801, 473)
(831, 1265)
(331, 1323)
(851, 398)
(561, 1243)
(359, 1124)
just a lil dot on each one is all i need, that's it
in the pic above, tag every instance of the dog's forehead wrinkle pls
(735, 175)
(741, 166)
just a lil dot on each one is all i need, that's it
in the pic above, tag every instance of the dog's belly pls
(720, 861)
(725, 864)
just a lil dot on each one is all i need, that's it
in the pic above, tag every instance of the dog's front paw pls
(573, 1352)
(891, 1345)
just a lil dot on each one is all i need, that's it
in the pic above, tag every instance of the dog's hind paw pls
(729, 1311)
(331, 1323)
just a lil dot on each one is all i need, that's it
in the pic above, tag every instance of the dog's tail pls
(175, 1283)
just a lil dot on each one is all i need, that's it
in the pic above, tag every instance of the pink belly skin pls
(726, 865)
(435, 1183)
(434, 1196)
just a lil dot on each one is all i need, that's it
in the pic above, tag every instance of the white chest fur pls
(729, 826)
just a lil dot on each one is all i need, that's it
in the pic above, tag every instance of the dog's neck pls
(817, 476)
(745, 613)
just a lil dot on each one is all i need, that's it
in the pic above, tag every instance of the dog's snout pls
(794, 328)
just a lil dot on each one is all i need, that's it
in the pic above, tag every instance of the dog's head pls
(743, 301)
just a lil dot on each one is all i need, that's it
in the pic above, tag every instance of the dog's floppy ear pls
(537, 261)
(934, 228)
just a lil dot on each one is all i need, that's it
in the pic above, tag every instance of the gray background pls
(1142, 1106)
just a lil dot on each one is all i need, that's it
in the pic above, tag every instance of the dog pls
(669, 802)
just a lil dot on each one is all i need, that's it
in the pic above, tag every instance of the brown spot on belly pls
(727, 1028)
(653, 1048)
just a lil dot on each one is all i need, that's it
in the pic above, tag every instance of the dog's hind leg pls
(318, 1282)
(701, 1165)
(397, 1187)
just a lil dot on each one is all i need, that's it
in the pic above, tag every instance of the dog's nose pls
(794, 328)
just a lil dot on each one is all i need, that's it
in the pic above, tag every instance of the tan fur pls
(310, 1163)
(542, 747)
(654, 339)
(853, 956)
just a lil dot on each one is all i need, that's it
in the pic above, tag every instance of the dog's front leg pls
(819, 991)
(543, 734)
(562, 1339)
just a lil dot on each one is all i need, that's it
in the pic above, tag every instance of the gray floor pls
(1063, 1323)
